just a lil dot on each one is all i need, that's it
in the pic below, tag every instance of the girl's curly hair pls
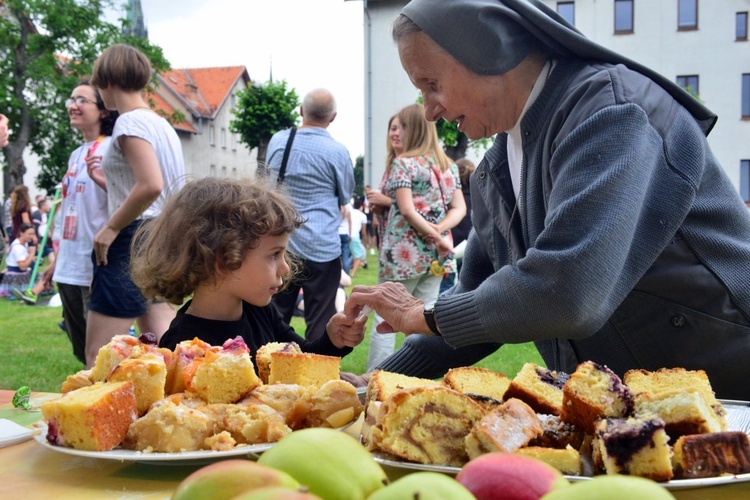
(205, 231)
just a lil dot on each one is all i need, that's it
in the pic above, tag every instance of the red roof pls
(203, 90)
(163, 106)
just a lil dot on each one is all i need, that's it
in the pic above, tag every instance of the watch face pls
(430, 305)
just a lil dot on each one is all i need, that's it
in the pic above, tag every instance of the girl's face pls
(27, 236)
(260, 276)
(86, 114)
(395, 131)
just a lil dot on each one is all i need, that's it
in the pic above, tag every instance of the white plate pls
(738, 419)
(163, 458)
(179, 458)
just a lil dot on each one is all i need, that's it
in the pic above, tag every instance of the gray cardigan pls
(631, 247)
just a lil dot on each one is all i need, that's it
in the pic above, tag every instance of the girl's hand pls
(344, 332)
(102, 241)
(443, 246)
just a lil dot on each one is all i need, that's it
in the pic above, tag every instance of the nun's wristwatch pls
(429, 316)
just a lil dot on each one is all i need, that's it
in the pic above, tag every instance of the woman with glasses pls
(143, 164)
(83, 211)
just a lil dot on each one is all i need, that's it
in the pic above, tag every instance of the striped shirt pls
(319, 179)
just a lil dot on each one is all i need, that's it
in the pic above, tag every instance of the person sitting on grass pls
(19, 262)
(224, 242)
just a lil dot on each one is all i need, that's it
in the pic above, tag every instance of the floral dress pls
(403, 253)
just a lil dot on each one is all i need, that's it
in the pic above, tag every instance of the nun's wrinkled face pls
(482, 105)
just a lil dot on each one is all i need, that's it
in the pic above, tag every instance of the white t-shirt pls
(18, 253)
(358, 220)
(344, 226)
(84, 204)
(157, 131)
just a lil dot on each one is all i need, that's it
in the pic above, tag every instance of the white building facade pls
(700, 43)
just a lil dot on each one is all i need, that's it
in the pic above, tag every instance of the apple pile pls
(326, 464)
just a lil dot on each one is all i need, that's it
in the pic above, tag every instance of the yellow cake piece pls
(669, 380)
(92, 418)
(383, 384)
(684, 411)
(221, 377)
(185, 353)
(110, 355)
(476, 380)
(567, 460)
(539, 388)
(263, 356)
(148, 374)
(593, 392)
(304, 369)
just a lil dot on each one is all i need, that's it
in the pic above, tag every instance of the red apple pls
(511, 477)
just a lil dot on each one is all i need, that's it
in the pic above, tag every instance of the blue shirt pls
(319, 179)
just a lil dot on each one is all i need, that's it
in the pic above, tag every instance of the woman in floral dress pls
(425, 186)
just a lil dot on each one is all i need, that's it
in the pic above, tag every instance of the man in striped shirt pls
(319, 177)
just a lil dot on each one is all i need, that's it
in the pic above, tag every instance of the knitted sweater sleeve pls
(615, 202)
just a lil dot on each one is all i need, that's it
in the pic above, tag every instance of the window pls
(211, 135)
(234, 173)
(233, 141)
(223, 171)
(687, 14)
(689, 83)
(623, 16)
(233, 101)
(212, 171)
(224, 138)
(740, 32)
(567, 11)
(746, 96)
(745, 180)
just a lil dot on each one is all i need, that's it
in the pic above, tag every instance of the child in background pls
(224, 242)
(359, 234)
(19, 262)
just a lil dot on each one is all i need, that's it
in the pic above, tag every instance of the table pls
(30, 471)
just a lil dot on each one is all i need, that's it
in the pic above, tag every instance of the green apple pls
(614, 487)
(330, 463)
(424, 486)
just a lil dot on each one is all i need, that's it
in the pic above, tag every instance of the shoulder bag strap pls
(285, 158)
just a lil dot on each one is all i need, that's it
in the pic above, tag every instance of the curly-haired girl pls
(224, 241)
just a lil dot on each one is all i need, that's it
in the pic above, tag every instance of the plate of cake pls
(665, 425)
(196, 403)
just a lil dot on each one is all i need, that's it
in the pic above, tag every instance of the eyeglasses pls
(79, 101)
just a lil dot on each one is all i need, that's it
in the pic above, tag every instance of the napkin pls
(11, 433)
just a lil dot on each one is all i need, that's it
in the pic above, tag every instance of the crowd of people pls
(598, 225)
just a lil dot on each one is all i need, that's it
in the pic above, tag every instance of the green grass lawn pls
(37, 353)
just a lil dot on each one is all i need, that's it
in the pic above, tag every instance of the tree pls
(262, 110)
(46, 47)
(359, 177)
